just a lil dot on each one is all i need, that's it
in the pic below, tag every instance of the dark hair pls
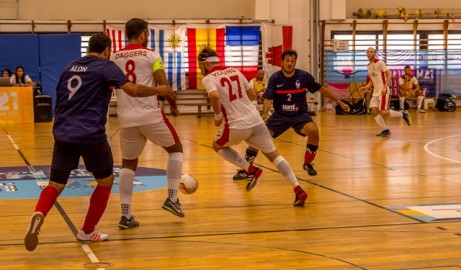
(135, 27)
(205, 53)
(21, 80)
(289, 52)
(7, 70)
(407, 66)
(98, 43)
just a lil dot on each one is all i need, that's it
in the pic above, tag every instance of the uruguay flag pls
(169, 42)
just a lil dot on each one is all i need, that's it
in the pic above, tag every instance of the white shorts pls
(133, 139)
(380, 102)
(257, 137)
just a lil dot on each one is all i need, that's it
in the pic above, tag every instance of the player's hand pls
(264, 116)
(166, 92)
(174, 110)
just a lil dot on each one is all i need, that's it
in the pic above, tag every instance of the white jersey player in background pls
(230, 96)
(380, 78)
(141, 119)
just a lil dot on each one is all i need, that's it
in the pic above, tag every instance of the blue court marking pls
(23, 183)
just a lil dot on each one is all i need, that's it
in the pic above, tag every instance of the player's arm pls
(160, 78)
(251, 93)
(215, 101)
(138, 90)
(267, 104)
(416, 85)
(327, 93)
(388, 81)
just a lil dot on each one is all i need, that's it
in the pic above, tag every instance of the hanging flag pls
(118, 37)
(236, 46)
(275, 39)
(169, 42)
(197, 39)
(242, 49)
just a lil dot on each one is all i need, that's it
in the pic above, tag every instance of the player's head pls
(260, 74)
(207, 59)
(137, 29)
(289, 58)
(100, 44)
(371, 53)
(407, 70)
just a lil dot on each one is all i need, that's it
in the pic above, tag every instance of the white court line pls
(426, 148)
(85, 247)
(91, 255)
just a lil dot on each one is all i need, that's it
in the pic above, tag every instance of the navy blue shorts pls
(97, 158)
(278, 124)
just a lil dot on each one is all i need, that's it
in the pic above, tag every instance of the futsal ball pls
(187, 184)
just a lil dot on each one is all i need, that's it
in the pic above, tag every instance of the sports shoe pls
(406, 116)
(384, 133)
(94, 236)
(31, 238)
(174, 208)
(240, 175)
(421, 111)
(126, 223)
(253, 178)
(309, 168)
(300, 196)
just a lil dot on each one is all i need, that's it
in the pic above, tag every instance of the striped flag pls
(118, 37)
(275, 40)
(169, 41)
(236, 46)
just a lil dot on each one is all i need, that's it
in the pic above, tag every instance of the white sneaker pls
(421, 111)
(94, 236)
(31, 238)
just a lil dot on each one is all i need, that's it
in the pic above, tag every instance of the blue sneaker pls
(384, 133)
(406, 116)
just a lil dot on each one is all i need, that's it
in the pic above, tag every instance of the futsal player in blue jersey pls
(83, 95)
(286, 91)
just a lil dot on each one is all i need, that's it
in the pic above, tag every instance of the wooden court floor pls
(351, 221)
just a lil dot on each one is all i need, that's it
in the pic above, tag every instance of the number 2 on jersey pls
(232, 92)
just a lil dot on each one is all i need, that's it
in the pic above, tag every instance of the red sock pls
(309, 156)
(98, 203)
(47, 198)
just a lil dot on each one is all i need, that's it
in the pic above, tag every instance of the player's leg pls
(250, 156)
(99, 161)
(305, 126)
(262, 140)
(393, 113)
(225, 138)
(376, 104)
(65, 158)
(402, 95)
(419, 101)
(164, 135)
(132, 143)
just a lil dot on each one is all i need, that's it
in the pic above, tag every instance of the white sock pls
(233, 157)
(173, 173)
(420, 102)
(380, 121)
(125, 187)
(402, 103)
(393, 113)
(284, 168)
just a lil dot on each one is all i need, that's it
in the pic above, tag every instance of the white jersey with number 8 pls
(138, 63)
